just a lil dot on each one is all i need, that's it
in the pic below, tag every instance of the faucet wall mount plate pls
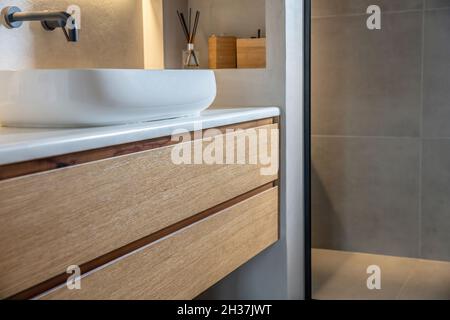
(9, 13)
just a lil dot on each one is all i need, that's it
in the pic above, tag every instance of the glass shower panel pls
(380, 149)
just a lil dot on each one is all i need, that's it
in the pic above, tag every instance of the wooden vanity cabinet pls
(138, 225)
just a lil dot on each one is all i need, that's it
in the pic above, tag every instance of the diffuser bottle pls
(191, 57)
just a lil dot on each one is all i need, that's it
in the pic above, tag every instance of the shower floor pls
(339, 275)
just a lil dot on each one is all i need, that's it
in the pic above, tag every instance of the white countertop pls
(18, 145)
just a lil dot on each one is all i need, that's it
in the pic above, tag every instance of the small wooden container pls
(222, 52)
(251, 53)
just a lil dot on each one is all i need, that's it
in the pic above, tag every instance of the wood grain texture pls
(186, 263)
(222, 52)
(35, 166)
(73, 215)
(251, 53)
(120, 252)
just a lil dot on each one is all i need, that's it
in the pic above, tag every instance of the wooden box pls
(222, 52)
(251, 53)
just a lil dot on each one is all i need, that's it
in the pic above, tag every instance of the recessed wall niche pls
(232, 18)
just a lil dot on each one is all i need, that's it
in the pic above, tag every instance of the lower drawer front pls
(185, 264)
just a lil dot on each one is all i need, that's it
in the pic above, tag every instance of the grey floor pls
(339, 275)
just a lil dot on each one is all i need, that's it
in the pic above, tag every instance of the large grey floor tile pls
(337, 7)
(430, 280)
(367, 82)
(365, 195)
(437, 74)
(436, 200)
(339, 275)
(331, 277)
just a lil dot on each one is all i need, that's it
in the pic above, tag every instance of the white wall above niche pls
(112, 36)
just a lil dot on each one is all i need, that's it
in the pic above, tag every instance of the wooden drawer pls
(71, 216)
(186, 263)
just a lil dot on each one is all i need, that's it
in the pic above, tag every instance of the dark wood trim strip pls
(41, 165)
(100, 261)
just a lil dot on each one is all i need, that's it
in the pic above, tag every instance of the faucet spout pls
(64, 21)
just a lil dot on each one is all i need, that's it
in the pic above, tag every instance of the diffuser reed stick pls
(190, 33)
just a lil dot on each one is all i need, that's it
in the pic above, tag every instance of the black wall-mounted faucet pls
(50, 20)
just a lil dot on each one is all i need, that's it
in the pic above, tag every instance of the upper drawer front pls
(71, 216)
(185, 264)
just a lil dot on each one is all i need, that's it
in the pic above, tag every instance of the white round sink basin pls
(99, 97)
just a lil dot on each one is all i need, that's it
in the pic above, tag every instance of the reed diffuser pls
(190, 55)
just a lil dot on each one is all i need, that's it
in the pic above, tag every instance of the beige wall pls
(111, 37)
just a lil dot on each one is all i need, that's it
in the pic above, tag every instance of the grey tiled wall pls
(381, 128)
